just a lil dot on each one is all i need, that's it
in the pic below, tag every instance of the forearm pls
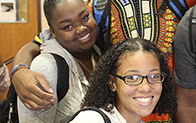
(186, 105)
(26, 54)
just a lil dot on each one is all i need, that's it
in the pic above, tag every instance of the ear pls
(52, 32)
(112, 84)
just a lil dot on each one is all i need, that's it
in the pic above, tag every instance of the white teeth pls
(143, 100)
(84, 37)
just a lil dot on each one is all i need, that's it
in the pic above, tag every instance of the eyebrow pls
(138, 71)
(67, 20)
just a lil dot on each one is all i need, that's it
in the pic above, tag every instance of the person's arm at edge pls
(25, 81)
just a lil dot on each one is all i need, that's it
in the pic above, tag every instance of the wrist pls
(17, 68)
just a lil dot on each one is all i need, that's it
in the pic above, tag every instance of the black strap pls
(63, 76)
(5, 109)
(192, 29)
(178, 8)
(105, 117)
(103, 31)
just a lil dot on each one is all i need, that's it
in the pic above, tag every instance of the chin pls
(145, 113)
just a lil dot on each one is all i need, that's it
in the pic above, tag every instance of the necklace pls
(93, 62)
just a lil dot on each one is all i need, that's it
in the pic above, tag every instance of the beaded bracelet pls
(16, 68)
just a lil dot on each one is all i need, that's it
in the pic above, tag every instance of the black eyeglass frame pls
(123, 78)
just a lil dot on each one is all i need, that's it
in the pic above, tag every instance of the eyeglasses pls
(138, 79)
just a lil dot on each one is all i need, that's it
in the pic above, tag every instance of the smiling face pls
(73, 26)
(138, 100)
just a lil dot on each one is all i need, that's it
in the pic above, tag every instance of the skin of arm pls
(184, 73)
(25, 81)
(186, 105)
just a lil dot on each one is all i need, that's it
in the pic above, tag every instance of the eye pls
(155, 77)
(68, 27)
(132, 78)
(85, 18)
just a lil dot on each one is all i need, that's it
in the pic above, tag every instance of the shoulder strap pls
(63, 76)
(105, 117)
(9, 107)
(178, 7)
(192, 29)
(104, 32)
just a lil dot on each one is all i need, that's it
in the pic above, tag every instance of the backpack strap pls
(105, 117)
(63, 76)
(9, 110)
(192, 29)
(103, 7)
(178, 7)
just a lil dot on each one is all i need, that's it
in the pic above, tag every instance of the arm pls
(44, 64)
(25, 81)
(184, 73)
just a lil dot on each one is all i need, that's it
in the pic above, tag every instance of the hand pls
(25, 83)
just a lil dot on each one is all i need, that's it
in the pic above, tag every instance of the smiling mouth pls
(144, 100)
(84, 37)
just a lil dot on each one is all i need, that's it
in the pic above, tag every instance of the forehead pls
(68, 6)
(136, 53)
(68, 10)
(144, 59)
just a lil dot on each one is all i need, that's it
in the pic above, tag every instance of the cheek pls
(158, 89)
(124, 90)
(64, 38)
(93, 25)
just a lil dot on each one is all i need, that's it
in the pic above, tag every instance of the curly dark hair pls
(99, 93)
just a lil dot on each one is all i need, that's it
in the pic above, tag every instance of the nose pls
(80, 29)
(144, 87)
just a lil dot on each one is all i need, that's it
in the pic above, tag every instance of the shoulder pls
(88, 116)
(43, 59)
(43, 62)
(182, 32)
(185, 19)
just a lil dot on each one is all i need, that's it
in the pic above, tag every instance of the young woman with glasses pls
(130, 81)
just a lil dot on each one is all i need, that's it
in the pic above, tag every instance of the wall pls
(14, 35)
(44, 24)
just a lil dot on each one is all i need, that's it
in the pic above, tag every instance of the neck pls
(87, 64)
(85, 56)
